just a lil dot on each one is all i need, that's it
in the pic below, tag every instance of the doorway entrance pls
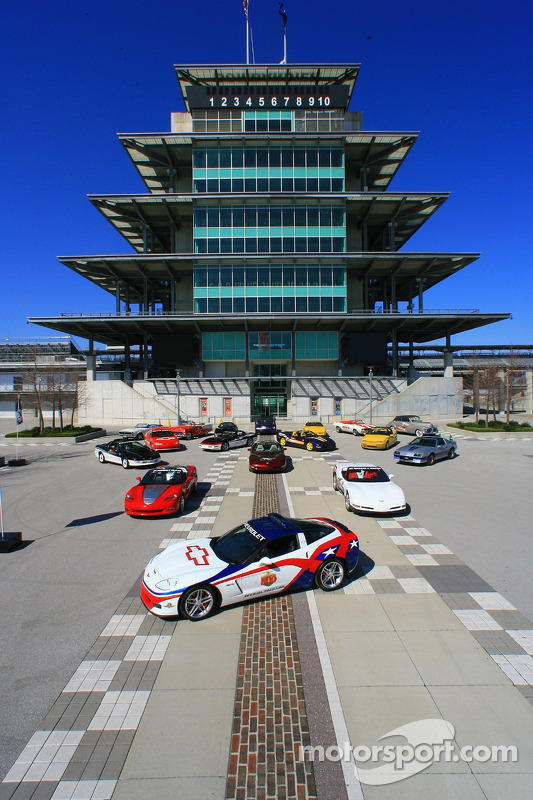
(268, 393)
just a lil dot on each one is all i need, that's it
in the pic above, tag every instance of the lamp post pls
(370, 374)
(178, 395)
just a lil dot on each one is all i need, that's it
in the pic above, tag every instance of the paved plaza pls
(232, 707)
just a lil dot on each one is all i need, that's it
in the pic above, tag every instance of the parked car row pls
(192, 578)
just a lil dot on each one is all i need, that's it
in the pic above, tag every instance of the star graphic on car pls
(330, 552)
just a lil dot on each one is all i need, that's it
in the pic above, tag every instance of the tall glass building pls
(267, 256)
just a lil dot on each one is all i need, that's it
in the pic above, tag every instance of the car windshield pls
(162, 435)
(267, 448)
(136, 449)
(226, 426)
(380, 432)
(367, 474)
(425, 441)
(164, 476)
(239, 545)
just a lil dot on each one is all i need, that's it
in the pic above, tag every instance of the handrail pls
(303, 314)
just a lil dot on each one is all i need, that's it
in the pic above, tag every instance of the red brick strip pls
(270, 719)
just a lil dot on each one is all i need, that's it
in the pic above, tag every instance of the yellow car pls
(379, 439)
(316, 427)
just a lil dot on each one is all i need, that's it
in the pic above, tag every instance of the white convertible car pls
(355, 426)
(367, 489)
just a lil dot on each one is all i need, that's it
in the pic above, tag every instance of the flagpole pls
(247, 40)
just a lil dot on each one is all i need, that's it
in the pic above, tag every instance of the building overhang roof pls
(114, 329)
(156, 155)
(131, 215)
(318, 75)
(133, 271)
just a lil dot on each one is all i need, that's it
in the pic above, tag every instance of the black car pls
(226, 427)
(127, 452)
(266, 425)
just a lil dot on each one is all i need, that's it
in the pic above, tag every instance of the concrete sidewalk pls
(221, 708)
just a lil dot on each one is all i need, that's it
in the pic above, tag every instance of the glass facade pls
(316, 345)
(269, 288)
(271, 121)
(276, 227)
(269, 229)
(226, 346)
(268, 168)
(270, 346)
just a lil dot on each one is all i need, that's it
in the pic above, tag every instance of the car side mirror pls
(391, 475)
(266, 562)
(138, 478)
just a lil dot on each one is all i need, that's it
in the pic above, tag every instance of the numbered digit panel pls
(266, 97)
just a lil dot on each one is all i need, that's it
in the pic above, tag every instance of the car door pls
(441, 448)
(275, 566)
(237, 440)
(113, 455)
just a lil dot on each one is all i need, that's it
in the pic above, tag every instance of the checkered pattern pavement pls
(86, 736)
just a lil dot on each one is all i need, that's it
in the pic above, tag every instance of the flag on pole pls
(245, 4)
(283, 14)
(18, 411)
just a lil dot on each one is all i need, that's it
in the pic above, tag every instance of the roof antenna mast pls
(283, 15)
(245, 4)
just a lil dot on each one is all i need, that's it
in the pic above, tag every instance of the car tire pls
(125, 463)
(335, 484)
(249, 442)
(101, 458)
(337, 429)
(330, 575)
(198, 602)
(309, 446)
(182, 505)
(194, 487)
(418, 432)
(140, 437)
(451, 452)
(430, 460)
(224, 446)
(188, 435)
(283, 441)
(347, 502)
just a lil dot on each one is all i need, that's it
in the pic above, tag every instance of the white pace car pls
(367, 489)
(355, 426)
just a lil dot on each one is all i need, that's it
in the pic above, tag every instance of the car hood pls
(150, 493)
(377, 493)
(415, 448)
(188, 561)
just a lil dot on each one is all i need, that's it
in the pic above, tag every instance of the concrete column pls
(91, 368)
(448, 363)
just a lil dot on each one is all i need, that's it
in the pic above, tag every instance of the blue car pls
(266, 425)
(306, 439)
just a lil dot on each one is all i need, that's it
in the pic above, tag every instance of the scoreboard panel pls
(267, 97)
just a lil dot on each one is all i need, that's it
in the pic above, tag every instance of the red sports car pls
(191, 430)
(161, 491)
(162, 439)
(267, 457)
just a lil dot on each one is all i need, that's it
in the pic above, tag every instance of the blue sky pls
(74, 74)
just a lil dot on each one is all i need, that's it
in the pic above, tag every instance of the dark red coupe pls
(161, 491)
(267, 457)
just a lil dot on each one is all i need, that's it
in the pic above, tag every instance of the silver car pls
(426, 450)
(412, 424)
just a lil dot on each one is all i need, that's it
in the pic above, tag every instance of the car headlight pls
(166, 584)
(129, 496)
